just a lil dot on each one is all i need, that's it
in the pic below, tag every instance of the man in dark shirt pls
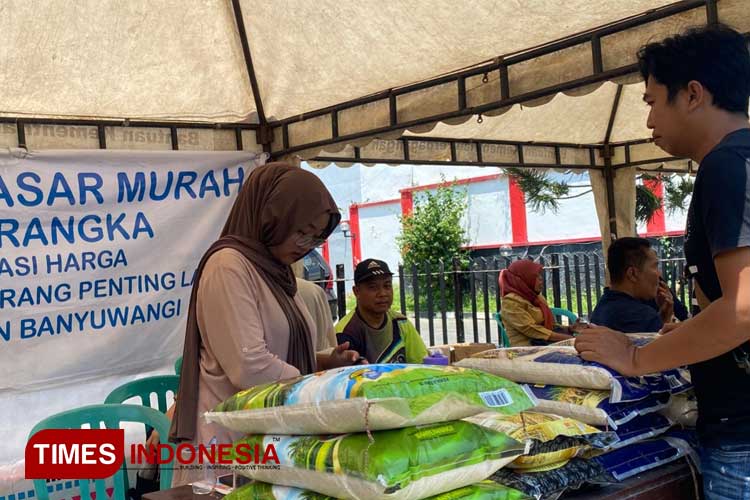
(634, 281)
(697, 88)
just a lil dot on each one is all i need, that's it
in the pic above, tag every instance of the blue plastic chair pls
(558, 312)
(504, 340)
(111, 415)
(143, 388)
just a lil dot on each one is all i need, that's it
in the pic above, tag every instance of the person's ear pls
(696, 95)
(632, 274)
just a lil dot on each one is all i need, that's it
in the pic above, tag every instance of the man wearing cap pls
(379, 334)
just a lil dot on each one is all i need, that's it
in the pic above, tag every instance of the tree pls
(433, 231)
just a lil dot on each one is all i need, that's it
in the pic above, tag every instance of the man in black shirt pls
(634, 275)
(697, 88)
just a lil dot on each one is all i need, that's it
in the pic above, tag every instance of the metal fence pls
(457, 302)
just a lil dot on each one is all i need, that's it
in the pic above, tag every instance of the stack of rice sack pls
(634, 409)
(377, 432)
(611, 467)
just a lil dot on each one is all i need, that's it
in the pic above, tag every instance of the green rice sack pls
(486, 490)
(399, 464)
(369, 397)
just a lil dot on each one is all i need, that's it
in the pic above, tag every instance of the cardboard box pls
(457, 352)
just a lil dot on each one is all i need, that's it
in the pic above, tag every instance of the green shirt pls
(395, 341)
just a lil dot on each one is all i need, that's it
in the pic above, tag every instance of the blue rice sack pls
(641, 428)
(628, 461)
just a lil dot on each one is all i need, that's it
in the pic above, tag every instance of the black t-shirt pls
(719, 220)
(619, 311)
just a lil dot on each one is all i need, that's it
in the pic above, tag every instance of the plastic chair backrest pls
(143, 388)
(504, 340)
(178, 366)
(111, 415)
(559, 311)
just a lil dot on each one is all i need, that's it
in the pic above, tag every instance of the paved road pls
(450, 330)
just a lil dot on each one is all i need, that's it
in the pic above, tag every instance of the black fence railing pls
(455, 302)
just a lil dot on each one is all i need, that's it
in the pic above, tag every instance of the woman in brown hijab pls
(246, 324)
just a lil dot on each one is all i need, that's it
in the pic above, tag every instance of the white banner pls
(97, 255)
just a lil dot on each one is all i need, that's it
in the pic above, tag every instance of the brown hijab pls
(276, 201)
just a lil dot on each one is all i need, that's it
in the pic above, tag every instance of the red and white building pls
(373, 199)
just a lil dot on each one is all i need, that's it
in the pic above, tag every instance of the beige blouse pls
(244, 336)
(317, 305)
(523, 320)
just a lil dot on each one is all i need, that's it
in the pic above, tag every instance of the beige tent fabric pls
(183, 60)
(175, 60)
(53, 136)
(624, 191)
(169, 59)
(579, 120)
(591, 113)
(309, 55)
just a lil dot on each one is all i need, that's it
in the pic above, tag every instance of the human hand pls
(668, 327)
(578, 326)
(608, 347)
(342, 356)
(665, 301)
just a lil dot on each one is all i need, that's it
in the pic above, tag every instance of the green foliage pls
(646, 204)
(433, 232)
(676, 191)
(667, 246)
(541, 192)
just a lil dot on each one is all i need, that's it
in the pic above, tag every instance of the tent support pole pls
(609, 179)
(609, 173)
(264, 133)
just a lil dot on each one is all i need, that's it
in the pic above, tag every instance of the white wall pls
(575, 218)
(383, 182)
(379, 226)
(488, 215)
(344, 184)
(677, 220)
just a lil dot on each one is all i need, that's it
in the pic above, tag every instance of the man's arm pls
(719, 328)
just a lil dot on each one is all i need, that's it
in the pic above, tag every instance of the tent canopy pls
(535, 83)
(330, 72)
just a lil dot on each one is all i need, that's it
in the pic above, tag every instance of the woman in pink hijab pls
(525, 312)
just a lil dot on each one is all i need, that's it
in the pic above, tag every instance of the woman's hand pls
(340, 356)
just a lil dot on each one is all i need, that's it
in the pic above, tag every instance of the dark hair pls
(624, 253)
(716, 56)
